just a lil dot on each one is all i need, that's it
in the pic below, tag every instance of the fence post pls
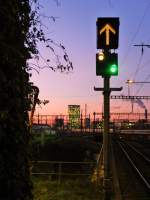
(94, 124)
(59, 172)
(81, 122)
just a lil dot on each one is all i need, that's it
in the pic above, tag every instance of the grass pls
(81, 189)
(65, 149)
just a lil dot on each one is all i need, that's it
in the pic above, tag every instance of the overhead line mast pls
(142, 45)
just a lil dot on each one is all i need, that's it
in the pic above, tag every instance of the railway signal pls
(107, 32)
(107, 64)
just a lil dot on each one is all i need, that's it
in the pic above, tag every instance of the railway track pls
(133, 171)
(142, 146)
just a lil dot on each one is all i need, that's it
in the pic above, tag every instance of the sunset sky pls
(75, 28)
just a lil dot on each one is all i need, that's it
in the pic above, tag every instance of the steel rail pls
(134, 166)
(139, 153)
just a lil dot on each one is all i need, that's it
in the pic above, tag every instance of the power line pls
(144, 65)
(143, 84)
(142, 52)
(138, 29)
(138, 67)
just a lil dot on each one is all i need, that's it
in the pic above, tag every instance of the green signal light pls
(113, 68)
(106, 64)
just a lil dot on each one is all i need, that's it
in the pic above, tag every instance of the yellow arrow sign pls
(107, 28)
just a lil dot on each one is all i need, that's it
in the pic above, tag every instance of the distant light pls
(130, 81)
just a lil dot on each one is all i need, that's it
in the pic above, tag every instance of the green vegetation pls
(81, 189)
(20, 32)
(16, 46)
(59, 186)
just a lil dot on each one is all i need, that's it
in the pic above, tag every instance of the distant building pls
(74, 116)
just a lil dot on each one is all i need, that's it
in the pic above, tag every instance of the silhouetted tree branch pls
(37, 35)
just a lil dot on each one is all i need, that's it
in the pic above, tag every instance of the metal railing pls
(59, 170)
(87, 120)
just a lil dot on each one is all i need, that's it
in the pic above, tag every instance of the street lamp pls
(129, 82)
(141, 82)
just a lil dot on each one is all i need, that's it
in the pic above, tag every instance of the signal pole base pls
(107, 189)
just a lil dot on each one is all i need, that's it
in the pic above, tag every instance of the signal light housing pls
(107, 66)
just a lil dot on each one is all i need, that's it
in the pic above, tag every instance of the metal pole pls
(94, 122)
(106, 181)
(85, 110)
(81, 122)
(128, 90)
(106, 140)
(85, 117)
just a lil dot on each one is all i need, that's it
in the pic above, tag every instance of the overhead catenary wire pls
(148, 76)
(131, 43)
(138, 67)
(135, 34)
(133, 39)
(144, 65)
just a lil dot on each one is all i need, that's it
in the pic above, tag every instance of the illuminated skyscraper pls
(74, 116)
